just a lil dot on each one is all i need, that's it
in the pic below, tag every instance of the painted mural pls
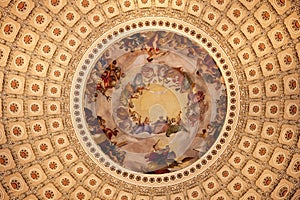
(155, 102)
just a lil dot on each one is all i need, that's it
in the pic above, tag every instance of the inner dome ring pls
(101, 159)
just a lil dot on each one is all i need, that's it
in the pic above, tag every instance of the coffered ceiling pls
(46, 46)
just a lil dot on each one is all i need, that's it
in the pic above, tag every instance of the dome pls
(149, 99)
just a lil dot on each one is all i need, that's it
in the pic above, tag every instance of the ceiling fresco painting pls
(167, 102)
(154, 102)
(149, 99)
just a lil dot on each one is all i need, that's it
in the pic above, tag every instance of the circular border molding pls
(131, 27)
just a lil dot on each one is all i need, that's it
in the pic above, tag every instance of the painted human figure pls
(174, 125)
(177, 77)
(109, 78)
(142, 127)
(107, 131)
(161, 158)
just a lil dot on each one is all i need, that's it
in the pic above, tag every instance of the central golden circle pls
(152, 103)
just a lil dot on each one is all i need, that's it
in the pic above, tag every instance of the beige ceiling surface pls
(41, 45)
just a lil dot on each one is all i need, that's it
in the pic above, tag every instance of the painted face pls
(147, 72)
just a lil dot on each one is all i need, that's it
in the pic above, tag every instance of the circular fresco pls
(154, 101)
